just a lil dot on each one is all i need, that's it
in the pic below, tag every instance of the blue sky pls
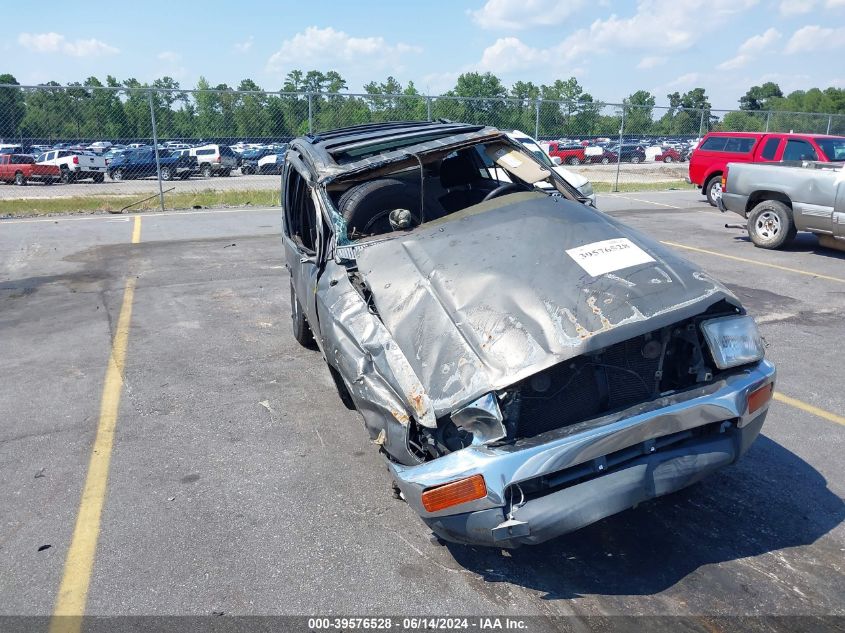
(612, 47)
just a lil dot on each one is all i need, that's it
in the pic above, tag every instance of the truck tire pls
(205, 171)
(770, 224)
(301, 330)
(713, 189)
(667, 159)
(635, 159)
(574, 161)
(166, 174)
(99, 177)
(67, 176)
(20, 179)
(117, 174)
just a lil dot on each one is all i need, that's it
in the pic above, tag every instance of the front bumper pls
(589, 446)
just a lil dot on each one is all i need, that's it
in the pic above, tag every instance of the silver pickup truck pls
(780, 199)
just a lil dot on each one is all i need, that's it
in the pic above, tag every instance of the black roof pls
(343, 149)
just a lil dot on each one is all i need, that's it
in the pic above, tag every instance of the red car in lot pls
(717, 149)
(21, 168)
(669, 155)
(569, 153)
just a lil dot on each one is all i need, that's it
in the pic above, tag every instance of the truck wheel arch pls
(759, 196)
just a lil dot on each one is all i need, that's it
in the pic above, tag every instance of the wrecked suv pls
(526, 364)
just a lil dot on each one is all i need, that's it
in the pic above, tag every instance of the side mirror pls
(556, 160)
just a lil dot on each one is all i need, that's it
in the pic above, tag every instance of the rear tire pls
(770, 224)
(605, 160)
(117, 175)
(166, 174)
(301, 330)
(667, 159)
(99, 177)
(713, 189)
(635, 159)
(205, 171)
(574, 161)
(20, 179)
(67, 176)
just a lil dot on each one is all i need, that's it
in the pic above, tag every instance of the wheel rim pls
(605, 161)
(18, 179)
(668, 159)
(716, 190)
(767, 225)
(118, 175)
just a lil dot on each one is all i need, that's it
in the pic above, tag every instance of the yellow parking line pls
(798, 404)
(752, 261)
(73, 590)
(136, 230)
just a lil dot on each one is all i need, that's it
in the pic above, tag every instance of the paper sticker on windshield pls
(607, 256)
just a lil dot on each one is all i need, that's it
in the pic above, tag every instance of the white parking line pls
(107, 218)
(659, 204)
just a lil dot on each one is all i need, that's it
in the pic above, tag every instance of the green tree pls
(484, 104)
(638, 119)
(12, 107)
(760, 97)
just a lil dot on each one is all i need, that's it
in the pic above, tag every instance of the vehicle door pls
(4, 167)
(302, 234)
(146, 163)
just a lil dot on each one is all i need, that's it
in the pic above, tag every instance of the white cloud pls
(671, 25)
(169, 57)
(796, 7)
(246, 45)
(325, 47)
(57, 43)
(523, 14)
(508, 54)
(652, 61)
(750, 48)
(834, 4)
(815, 38)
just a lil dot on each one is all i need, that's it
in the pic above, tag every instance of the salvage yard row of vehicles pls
(526, 364)
(606, 151)
(137, 160)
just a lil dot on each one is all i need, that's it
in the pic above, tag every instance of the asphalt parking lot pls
(238, 483)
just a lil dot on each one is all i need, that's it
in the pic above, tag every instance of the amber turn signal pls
(759, 397)
(453, 493)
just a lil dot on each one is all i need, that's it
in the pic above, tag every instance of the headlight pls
(586, 189)
(733, 340)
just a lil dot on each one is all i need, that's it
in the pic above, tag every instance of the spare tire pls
(366, 207)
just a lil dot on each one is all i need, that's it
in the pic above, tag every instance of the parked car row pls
(606, 151)
(137, 160)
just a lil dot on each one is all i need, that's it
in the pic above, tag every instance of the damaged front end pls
(529, 366)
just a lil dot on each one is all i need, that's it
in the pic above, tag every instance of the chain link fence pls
(118, 147)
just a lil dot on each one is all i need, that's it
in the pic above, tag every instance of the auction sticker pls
(607, 256)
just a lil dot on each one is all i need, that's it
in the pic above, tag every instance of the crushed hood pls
(488, 296)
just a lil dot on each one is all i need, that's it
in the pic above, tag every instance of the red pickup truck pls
(570, 153)
(717, 149)
(21, 168)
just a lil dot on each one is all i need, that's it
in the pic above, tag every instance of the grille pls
(588, 386)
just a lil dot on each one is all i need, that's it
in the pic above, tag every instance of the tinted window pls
(300, 214)
(833, 148)
(799, 150)
(714, 143)
(204, 152)
(739, 145)
(770, 148)
(22, 160)
(226, 151)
